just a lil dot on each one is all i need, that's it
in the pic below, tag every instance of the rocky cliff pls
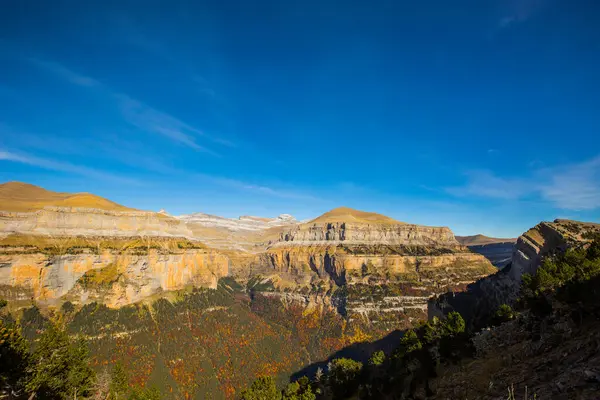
(58, 246)
(78, 221)
(32, 210)
(547, 238)
(351, 233)
(110, 276)
(375, 270)
(483, 297)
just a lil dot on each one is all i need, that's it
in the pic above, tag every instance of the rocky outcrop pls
(364, 233)
(381, 274)
(115, 278)
(548, 238)
(376, 281)
(482, 298)
(75, 221)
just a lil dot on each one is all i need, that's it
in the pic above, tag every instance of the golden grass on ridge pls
(23, 197)
(346, 214)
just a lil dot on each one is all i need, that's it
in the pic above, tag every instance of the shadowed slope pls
(478, 240)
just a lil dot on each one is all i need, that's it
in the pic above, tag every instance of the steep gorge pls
(377, 272)
(147, 288)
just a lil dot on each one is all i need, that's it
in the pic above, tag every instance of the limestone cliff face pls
(341, 262)
(482, 298)
(112, 277)
(76, 221)
(364, 233)
(379, 275)
(547, 238)
(375, 281)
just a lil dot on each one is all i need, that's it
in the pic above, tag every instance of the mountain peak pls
(479, 239)
(347, 214)
(22, 197)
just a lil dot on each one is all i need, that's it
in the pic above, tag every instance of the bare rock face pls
(548, 238)
(113, 277)
(376, 271)
(76, 221)
(365, 233)
(482, 298)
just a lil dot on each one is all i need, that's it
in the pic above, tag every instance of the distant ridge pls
(478, 240)
(23, 197)
(346, 214)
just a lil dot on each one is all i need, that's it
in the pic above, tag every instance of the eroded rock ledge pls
(75, 221)
(360, 233)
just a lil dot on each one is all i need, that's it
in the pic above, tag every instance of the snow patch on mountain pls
(243, 223)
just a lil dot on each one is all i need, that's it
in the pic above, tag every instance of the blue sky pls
(478, 115)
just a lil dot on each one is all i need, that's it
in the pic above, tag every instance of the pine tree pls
(14, 361)
(119, 382)
(263, 388)
(60, 367)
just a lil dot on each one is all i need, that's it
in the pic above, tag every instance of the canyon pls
(153, 289)
(498, 251)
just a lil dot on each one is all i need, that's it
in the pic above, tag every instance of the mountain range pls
(201, 305)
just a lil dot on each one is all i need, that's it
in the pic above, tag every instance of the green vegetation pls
(343, 376)
(504, 313)
(60, 245)
(415, 362)
(60, 367)
(575, 265)
(118, 382)
(377, 358)
(101, 278)
(14, 359)
(263, 388)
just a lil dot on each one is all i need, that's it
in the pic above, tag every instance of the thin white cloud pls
(569, 187)
(486, 184)
(574, 187)
(44, 163)
(138, 114)
(253, 187)
(149, 119)
(520, 11)
(65, 73)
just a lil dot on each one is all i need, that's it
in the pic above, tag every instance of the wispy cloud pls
(569, 187)
(65, 73)
(256, 188)
(575, 187)
(482, 183)
(149, 119)
(139, 114)
(44, 163)
(520, 11)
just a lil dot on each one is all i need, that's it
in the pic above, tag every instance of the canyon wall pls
(380, 276)
(76, 221)
(361, 233)
(111, 277)
(483, 297)
(547, 238)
